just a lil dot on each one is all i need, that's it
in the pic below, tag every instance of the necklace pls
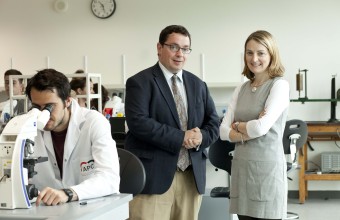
(254, 87)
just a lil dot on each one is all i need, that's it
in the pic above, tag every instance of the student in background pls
(170, 127)
(18, 89)
(255, 120)
(78, 84)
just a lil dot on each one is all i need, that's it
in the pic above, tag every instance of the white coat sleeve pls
(228, 119)
(105, 179)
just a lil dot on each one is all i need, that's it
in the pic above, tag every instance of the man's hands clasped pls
(192, 138)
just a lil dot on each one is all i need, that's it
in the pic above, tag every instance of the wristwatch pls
(69, 193)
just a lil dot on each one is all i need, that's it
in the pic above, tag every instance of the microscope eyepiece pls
(44, 116)
(48, 107)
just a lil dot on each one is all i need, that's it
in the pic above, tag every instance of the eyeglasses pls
(176, 48)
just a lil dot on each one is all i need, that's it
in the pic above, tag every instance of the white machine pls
(16, 163)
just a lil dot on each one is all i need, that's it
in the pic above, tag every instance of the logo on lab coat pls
(86, 168)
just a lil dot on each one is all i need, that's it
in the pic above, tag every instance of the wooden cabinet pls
(317, 131)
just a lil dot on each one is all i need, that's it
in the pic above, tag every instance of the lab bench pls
(317, 131)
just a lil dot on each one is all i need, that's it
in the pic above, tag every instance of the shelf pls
(303, 100)
(322, 177)
(317, 131)
(114, 86)
(323, 131)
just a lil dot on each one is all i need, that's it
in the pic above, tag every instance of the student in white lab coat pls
(82, 156)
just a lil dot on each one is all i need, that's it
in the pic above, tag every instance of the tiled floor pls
(316, 209)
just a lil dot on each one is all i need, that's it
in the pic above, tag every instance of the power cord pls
(337, 132)
(312, 171)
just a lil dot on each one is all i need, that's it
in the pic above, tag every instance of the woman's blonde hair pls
(275, 67)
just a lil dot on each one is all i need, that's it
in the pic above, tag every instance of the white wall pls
(307, 32)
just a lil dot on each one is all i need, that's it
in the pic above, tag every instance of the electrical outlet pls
(6, 150)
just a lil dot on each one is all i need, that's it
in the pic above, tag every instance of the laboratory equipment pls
(16, 162)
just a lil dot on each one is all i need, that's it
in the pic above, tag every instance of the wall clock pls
(103, 8)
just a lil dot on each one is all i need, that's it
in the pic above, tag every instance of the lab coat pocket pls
(261, 180)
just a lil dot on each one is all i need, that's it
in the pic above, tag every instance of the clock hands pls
(103, 7)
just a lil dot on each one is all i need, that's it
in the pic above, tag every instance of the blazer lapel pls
(166, 92)
(190, 88)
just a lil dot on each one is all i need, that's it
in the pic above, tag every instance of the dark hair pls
(80, 71)
(49, 79)
(13, 72)
(78, 82)
(105, 97)
(163, 36)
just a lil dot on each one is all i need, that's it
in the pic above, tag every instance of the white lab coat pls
(7, 109)
(91, 166)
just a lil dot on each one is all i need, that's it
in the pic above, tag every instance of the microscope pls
(16, 162)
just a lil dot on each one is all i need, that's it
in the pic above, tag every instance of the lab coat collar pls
(77, 119)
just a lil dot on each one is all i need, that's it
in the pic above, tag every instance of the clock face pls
(103, 8)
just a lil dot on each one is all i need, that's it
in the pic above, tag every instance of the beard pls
(52, 124)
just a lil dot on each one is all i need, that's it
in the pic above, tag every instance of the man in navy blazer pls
(156, 137)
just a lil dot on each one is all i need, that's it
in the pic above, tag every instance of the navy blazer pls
(155, 134)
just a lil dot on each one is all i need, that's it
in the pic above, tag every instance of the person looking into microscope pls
(82, 156)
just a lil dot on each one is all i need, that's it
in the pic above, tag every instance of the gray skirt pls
(259, 188)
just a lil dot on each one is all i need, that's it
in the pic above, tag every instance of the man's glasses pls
(176, 48)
